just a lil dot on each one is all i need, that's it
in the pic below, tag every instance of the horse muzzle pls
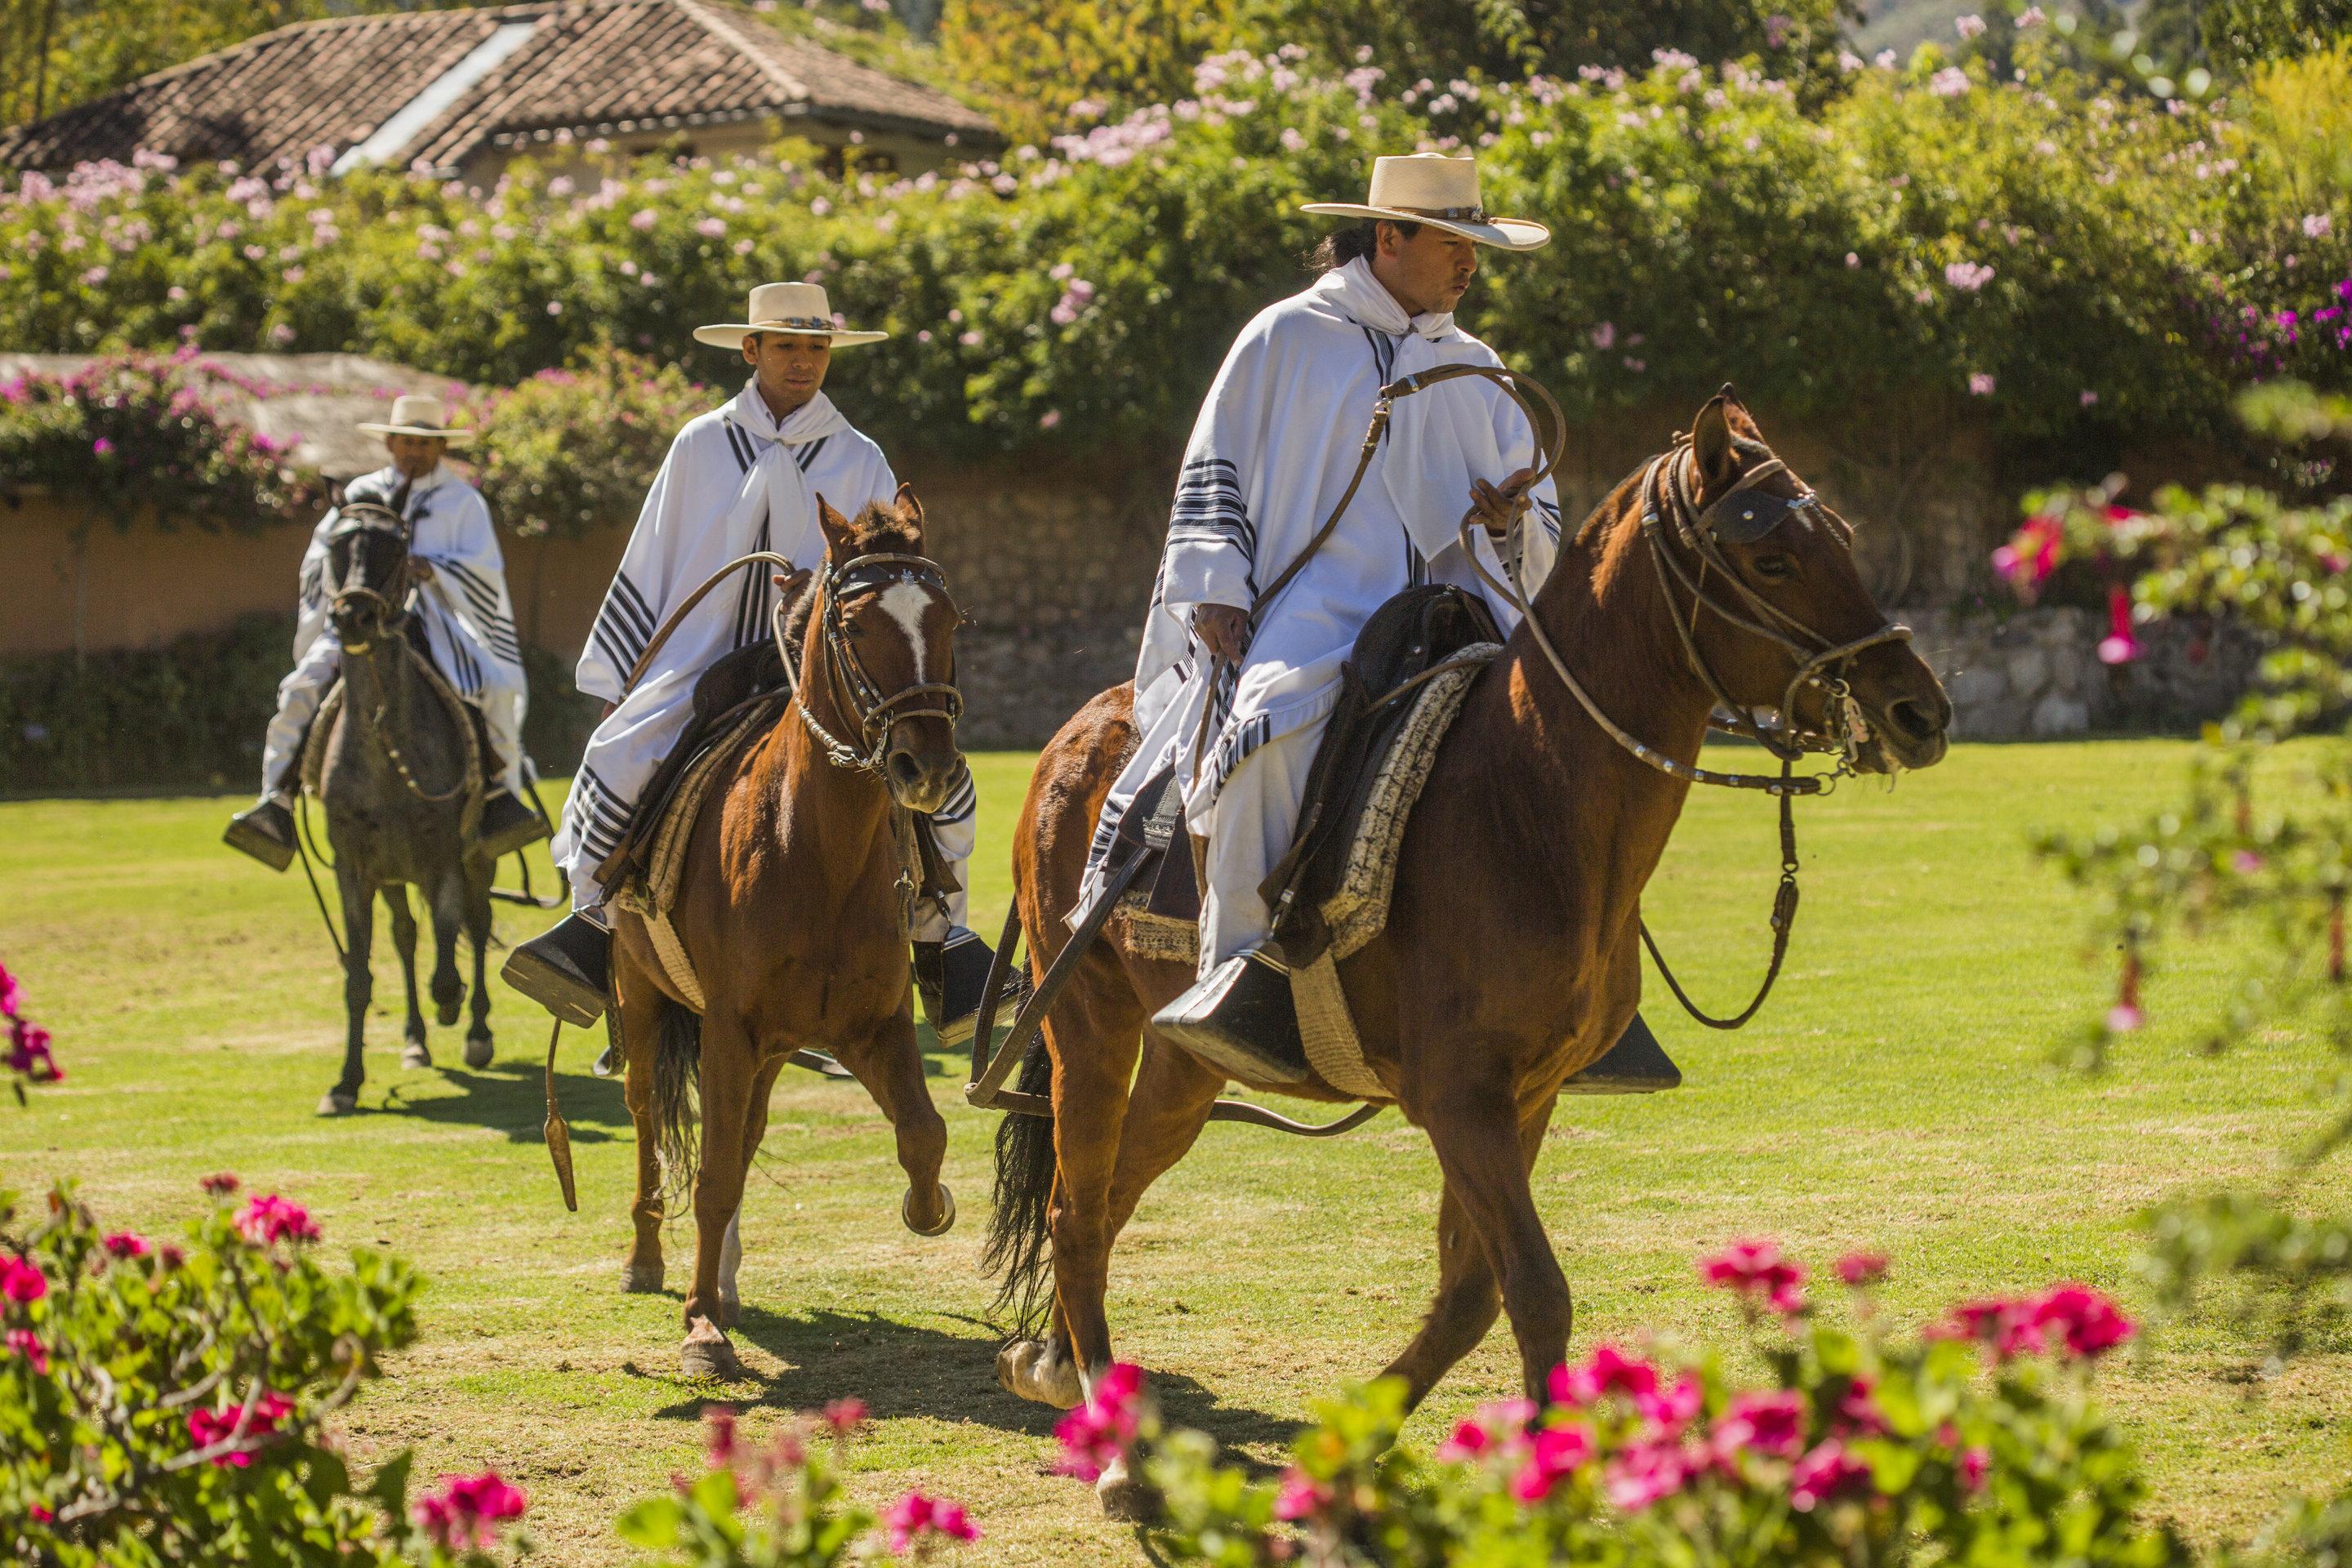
(921, 778)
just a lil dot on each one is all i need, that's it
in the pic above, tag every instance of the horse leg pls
(448, 902)
(731, 1249)
(1468, 1300)
(890, 1066)
(479, 1045)
(729, 1073)
(1487, 1147)
(639, 1007)
(358, 927)
(415, 1054)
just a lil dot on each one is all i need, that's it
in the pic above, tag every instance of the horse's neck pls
(1610, 617)
(375, 687)
(837, 812)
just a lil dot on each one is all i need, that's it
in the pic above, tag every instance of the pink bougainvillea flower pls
(22, 1281)
(464, 1514)
(1608, 1371)
(1827, 1471)
(2026, 561)
(1769, 1424)
(125, 1244)
(1759, 1274)
(267, 1218)
(1557, 1453)
(221, 1184)
(1862, 1268)
(26, 1344)
(1300, 1496)
(1100, 1431)
(914, 1517)
(844, 1416)
(2119, 645)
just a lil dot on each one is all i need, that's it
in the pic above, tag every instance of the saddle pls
(1399, 690)
(484, 764)
(738, 687)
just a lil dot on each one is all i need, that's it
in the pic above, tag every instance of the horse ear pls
(910, 510)
(1711, 441)
(836, 530)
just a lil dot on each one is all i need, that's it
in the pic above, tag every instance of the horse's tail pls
(1018, 1250)
(677, 1076)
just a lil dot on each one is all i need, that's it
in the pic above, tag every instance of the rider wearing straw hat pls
(469, 622)
(744, 478)
(1238, 704)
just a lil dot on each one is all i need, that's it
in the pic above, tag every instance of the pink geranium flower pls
(1100, 1431)
(207, 1427)
(1974, 1464)
(1608, 1371)
(1769, 1424)
(844, 1416)
(464, 1514)
(1826, 1472)
(1671, 1405)
(1757, 1272)
(12, 995)
(2120, 646)
(915, 1516)
(2081, 1319)
(1557, 1453)
(719, 1435)
(1300, 1496)
(221, 1184)
(1648, 1471)
(21, 1280)
(266, 1219)
(2026, 561)
(1861, 1268)
(125, 1244)
(26, 1344)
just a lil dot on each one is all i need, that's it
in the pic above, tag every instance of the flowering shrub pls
(781, 1506)
(2053, 256)
(570, 450)
(1976, 1439)
(137, 433)
(167, 1401)
(29, 1058)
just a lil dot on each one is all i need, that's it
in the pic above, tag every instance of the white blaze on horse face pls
(905, 604)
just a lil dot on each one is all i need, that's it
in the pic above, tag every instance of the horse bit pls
(874, 712)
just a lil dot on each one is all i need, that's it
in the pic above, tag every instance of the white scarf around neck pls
(812, 421)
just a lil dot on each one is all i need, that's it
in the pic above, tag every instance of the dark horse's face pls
(1796, 565)
(367, 571)
(899, 625)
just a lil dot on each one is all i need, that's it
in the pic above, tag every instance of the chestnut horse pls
(1511, 958)
(791, 908)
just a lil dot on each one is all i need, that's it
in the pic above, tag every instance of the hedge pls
(2064, 260)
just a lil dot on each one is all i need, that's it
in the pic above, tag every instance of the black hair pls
(1360, 238)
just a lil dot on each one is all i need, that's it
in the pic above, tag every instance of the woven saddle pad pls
(652, 894)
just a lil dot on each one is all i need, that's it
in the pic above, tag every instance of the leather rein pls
(854, 692)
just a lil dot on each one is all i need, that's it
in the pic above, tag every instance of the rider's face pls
(416, 456)
(789, 366)
(1429, 272)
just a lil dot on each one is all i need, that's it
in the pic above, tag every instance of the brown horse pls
(1511, 957)
(791, 910)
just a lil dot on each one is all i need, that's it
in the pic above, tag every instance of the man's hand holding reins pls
(1224, 630)
(1497, 507)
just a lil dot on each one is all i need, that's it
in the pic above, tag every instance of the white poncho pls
(1270, 456)
(735, 481)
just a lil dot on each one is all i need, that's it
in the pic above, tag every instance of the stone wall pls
(2036, 673)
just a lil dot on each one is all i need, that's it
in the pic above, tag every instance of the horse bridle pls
(1742, 515)
(855, 692)
(372, 517)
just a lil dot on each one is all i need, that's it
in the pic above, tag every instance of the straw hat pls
(798, 308)
(420, 414)
(1432, 188)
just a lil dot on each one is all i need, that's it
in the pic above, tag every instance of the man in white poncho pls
(462, 605)
(741, 478)
(1270, 457)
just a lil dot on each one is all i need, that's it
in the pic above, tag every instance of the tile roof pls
(593, 66)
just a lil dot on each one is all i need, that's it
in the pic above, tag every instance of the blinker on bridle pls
(874, 713)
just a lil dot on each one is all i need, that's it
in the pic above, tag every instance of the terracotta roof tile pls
(589, 67)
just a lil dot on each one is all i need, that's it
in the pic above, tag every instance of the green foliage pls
(1977, 1440)
(137, 436)
(572, 450)
(2061, 261)
(165, 1403)
(2244, 32)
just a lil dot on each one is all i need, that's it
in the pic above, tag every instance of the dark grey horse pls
(402, 785)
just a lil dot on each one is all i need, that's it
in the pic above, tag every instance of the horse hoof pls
(335, 1102)
(1028, 1370)
(1123, 1496)
(448, 1013)
(415, 1054)
(947, 1212)
(479, 1051)
(641, 1278)
(707, 1354)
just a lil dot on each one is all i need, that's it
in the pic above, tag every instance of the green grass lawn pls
(1897, 1093)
